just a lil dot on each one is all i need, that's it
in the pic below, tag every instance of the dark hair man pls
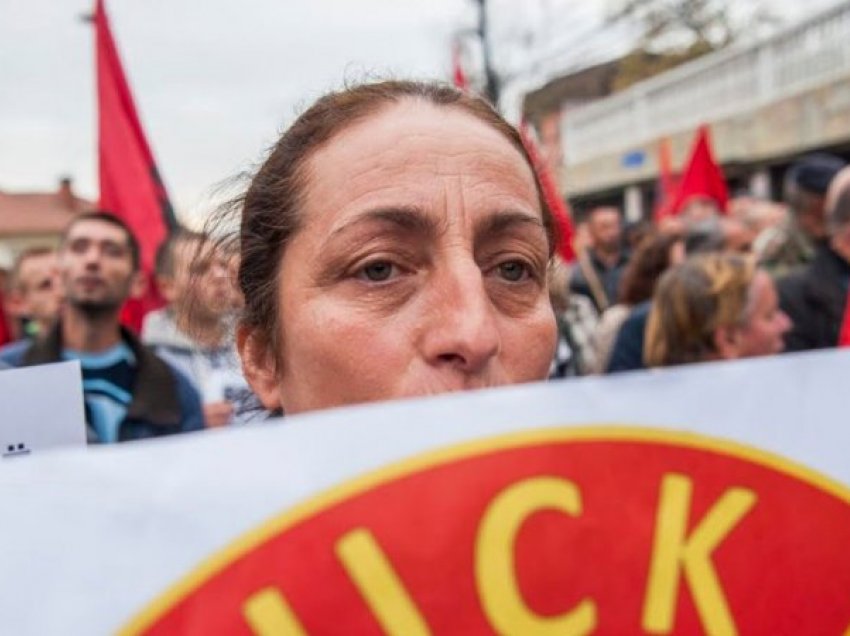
(194, 333)
(815, 297)
(600, 267)
(130, 393)
(33, 298)
(793, 243)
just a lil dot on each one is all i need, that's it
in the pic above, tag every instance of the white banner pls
(705, 499)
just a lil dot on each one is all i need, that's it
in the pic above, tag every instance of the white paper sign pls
(42, 407)
(96, 541)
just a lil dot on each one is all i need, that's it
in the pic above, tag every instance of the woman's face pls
(767, 323)
(419, 268)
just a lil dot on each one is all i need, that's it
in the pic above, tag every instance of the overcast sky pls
(216, 80)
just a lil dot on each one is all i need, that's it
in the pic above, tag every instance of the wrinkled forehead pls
(417, 136)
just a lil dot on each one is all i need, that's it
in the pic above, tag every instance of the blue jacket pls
(627, 354)
(163, 402)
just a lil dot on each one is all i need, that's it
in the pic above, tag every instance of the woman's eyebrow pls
(410, 219)
(505, 221)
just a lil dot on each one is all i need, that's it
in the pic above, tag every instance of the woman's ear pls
(726, 342)
(258, 366)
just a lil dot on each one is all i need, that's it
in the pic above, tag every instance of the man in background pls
(794, 242)
(600, 266)
(32, 302)
(815, 296)
(194, 332)
(129, 392)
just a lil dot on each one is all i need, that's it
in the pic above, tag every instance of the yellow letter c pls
(494, 560)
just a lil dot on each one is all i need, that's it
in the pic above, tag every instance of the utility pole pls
(492, 83)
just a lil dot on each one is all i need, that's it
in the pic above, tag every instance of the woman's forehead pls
(407, 143)
(417, 132)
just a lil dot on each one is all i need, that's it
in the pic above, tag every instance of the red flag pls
(557, 206)
(667, 182)
(702, 177)
(130, 186)
(844, 335)
(458, 76)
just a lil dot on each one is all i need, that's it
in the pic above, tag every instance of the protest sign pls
(42, 408)
(707, 499)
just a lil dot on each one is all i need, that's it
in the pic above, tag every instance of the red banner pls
(603, 531)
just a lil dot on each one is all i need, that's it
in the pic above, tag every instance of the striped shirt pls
(108, 379)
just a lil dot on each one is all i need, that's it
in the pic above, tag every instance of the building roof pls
(589, 83)
(24, 213)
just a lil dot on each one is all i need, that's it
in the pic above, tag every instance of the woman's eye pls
(513, 271)
(377, 272)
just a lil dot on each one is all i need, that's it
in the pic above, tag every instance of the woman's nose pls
(462, 332)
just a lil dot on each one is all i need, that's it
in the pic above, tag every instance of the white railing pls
(713, 87)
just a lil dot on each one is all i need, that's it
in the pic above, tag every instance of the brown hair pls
(650, 259)
(691, 302)
(270, 207)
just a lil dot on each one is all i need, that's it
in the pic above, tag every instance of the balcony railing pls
(711, 88)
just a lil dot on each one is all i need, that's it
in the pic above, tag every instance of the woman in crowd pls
(394, 243)
(653, 255)
(713, 307)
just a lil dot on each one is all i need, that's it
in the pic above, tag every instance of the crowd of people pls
(396, 243)
(756, 278)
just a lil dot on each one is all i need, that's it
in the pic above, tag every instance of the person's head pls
(651, 258)
(737, 235)
(838, 214)
(699, 208)
(714, 306)
(394, 243)
(634, 233)
(805, 187)
(704, 236)
(33, 293)
(193, 275)
(757, 214)
(605, 228)
(98, 263)
(741, 203)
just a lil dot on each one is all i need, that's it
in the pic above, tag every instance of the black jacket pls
(814, 299)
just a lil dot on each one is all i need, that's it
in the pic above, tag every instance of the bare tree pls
(676, 31)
